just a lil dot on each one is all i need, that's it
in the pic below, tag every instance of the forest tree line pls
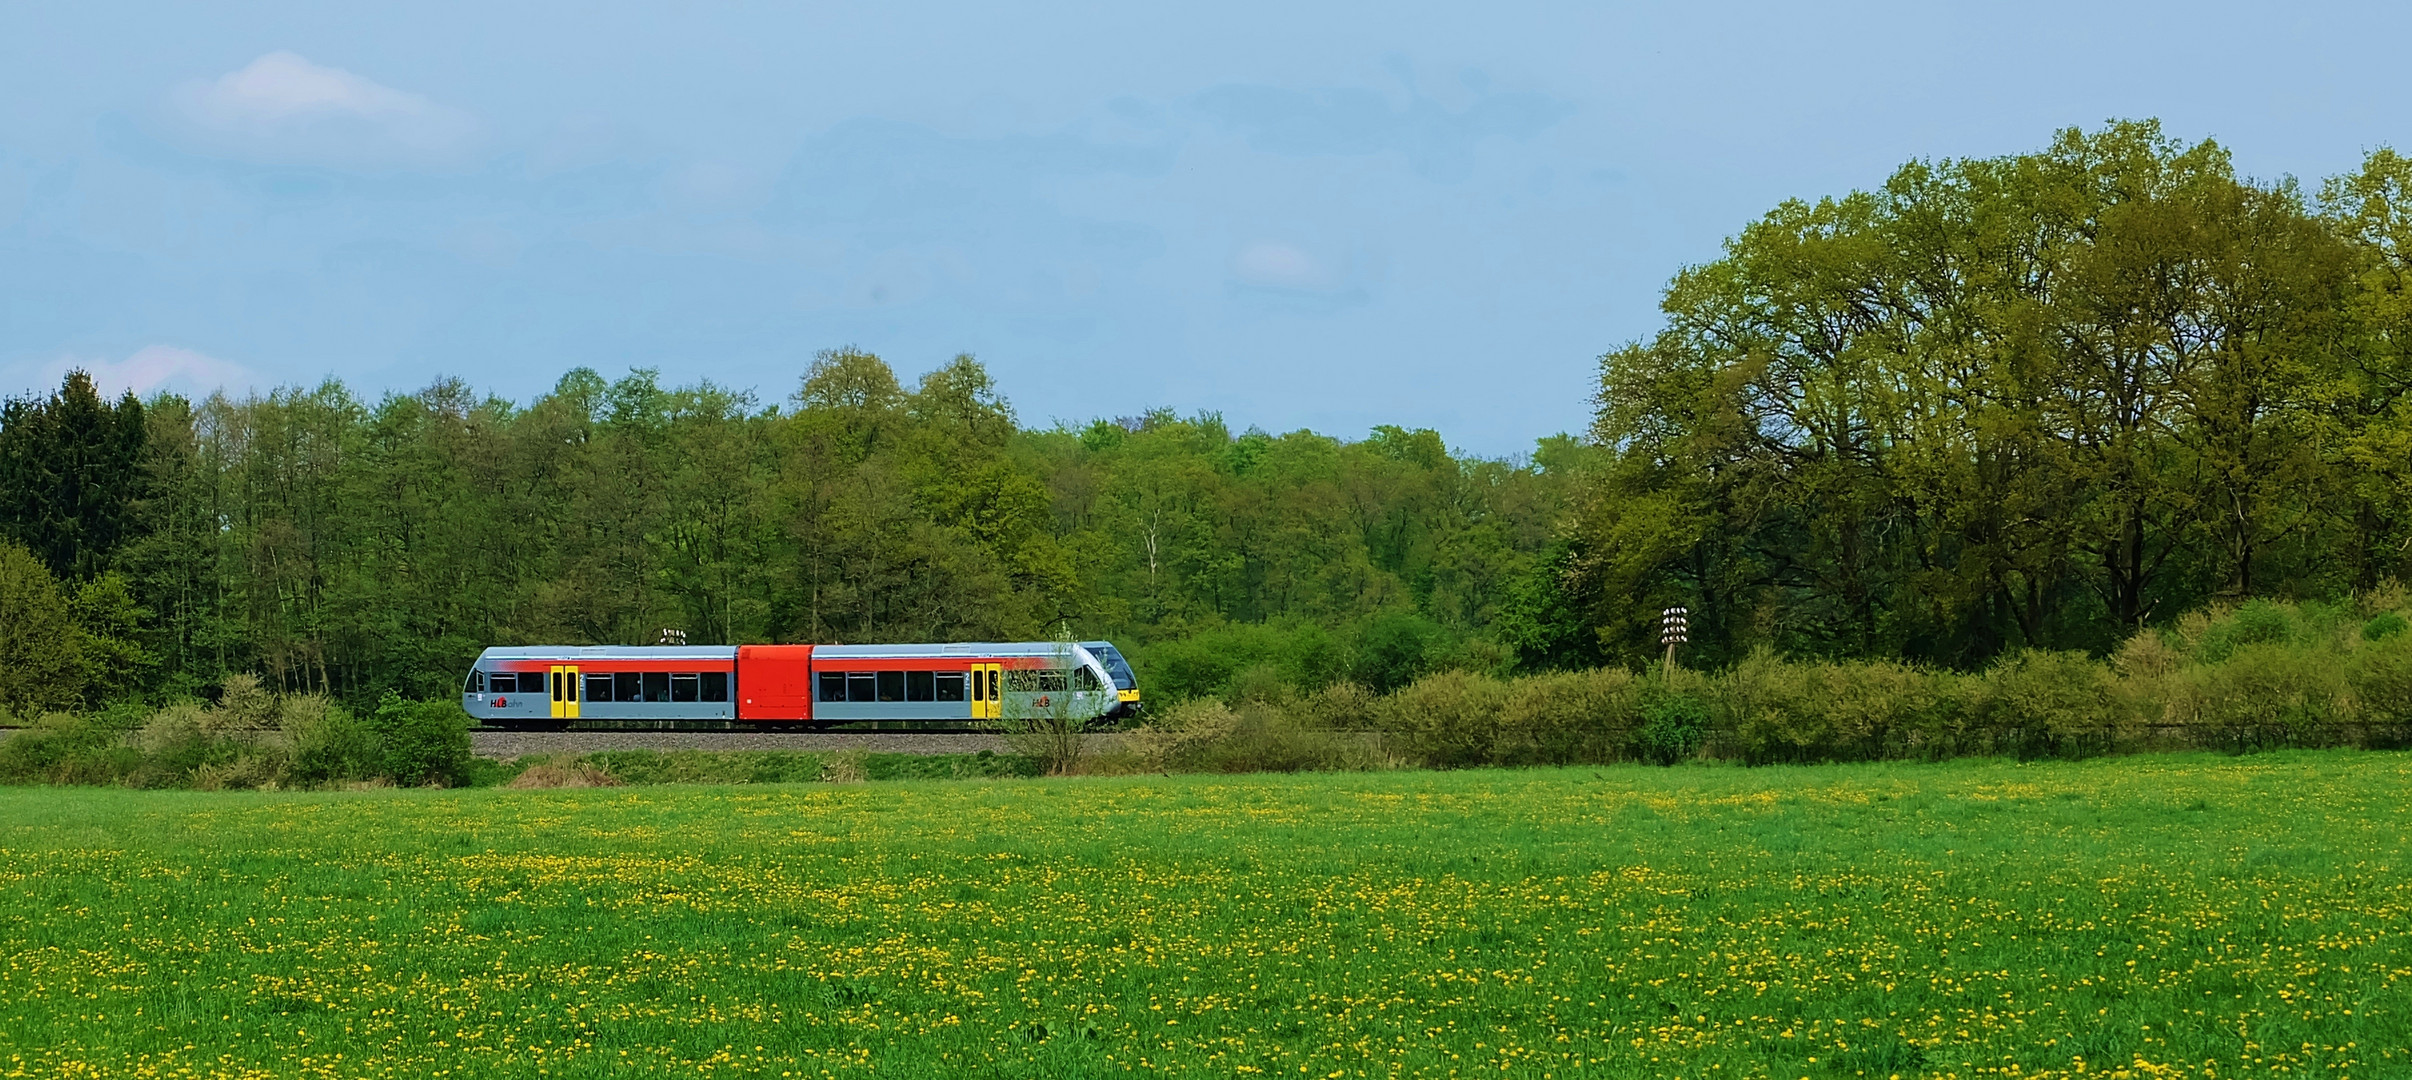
(2040, 401)
(340, 546)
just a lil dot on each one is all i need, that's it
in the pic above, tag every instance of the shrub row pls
(2259, 676)
(249, 739)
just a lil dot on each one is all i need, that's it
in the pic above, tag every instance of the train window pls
(1051, 682)
(833, 686)
(555, 689)
(657, 686)
(921, 686)
(950, 686)
(891, 686)
(626, 686)
(1084, 679)
(862, 686)
(598, 688)
(1020, 682)
(684, 686)
(715, 686)
(476, 683)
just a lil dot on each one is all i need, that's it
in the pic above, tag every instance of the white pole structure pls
(1674, 627)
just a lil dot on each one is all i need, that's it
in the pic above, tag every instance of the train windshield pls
(1115, 665)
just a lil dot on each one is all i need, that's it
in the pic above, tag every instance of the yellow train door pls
(565, 692)
(987, 691)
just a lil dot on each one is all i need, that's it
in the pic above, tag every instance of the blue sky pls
(1300, 215)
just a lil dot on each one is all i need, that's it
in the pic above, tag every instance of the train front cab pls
(1126, 684)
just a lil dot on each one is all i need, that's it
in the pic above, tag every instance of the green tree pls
(70, 475)
(42, 662)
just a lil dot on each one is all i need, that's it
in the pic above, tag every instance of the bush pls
(179, 741)
(424, 742)
(1450, 720)
(1778, 711)
(2262, 696)
(330, 745)
(1210, 736)
(63, 748)
(1568, 717)
(2039, 702)
(2384, 625)
(2260, 622)
(1674, 722)
(2380, 676)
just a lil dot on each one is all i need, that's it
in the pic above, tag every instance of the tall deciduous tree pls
(2026, 401)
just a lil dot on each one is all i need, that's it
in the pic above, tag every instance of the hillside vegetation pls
(2260, 677)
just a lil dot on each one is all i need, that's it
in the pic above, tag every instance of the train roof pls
(611, 652)
(956, 648)
(1000, 649)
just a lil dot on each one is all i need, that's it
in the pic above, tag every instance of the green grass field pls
(2167, 916)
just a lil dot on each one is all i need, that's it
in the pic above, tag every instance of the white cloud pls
(152, 367)
(283, 108)
(1275, 265)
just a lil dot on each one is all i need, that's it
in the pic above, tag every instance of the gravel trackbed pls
(504, 745)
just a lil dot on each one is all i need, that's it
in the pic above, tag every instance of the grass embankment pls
(2183, 915)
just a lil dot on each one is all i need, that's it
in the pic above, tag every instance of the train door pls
(565, 691)
(987, 691)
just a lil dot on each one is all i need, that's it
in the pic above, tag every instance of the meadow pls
(2175, 915)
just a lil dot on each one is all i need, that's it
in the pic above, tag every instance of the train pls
(802, 686)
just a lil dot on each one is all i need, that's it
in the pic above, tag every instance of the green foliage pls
(2026, 402)
(1674, 722)
(1849, 710)
(348, 546)
(1450, 720)
(71, 476)
(250, 738)
(1569, 717)
(2380, 678)
(330, 745)
(2260, 622)
(1213, 662)
(2264, 694)
(424, 742)
(42, 660)
(1395, 648)
(1207, 735)
(66, 748)
(2384, 625)
(2039, 701)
